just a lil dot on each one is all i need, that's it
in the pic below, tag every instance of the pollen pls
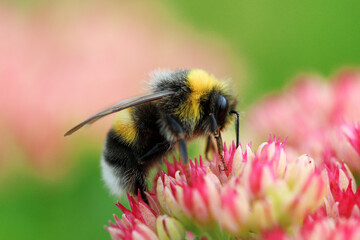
(124, 125)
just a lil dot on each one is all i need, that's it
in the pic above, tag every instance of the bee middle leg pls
(140, 186)
(179, 133)
(155, 149)
(210, 146)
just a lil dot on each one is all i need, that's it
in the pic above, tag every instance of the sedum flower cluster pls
(272, 192)
(315, 116)
(262, 194)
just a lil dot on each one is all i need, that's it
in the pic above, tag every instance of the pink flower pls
(169, 228)
(275, 234)
(342, 199)
(315, 116)
(140, 222)
(352, 133)
(328, 228)
(133, 230)
(274, 190)
(347, 145)
(235, 210)
(198, 200)
(260, 191)
(321, 119)
(322, 228)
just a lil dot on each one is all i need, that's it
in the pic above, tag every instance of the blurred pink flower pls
(352, 133)
(315, 116)
(259, 192)
(346, 145)
(328, 228)
(61, 64)
(322, 228)
(322, 119)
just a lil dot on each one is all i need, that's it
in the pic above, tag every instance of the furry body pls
(142, 135)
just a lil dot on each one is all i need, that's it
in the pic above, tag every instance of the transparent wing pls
(121, 106)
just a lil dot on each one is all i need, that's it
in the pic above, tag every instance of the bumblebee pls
(182, 105)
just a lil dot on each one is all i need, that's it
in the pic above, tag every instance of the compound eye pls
(221, 110)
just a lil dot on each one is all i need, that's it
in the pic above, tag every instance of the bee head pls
(199, 94)
(221, 104)
(221, 110)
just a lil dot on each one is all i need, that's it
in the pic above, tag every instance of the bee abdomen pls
(113, 177)
(120, 169)
(125, 126)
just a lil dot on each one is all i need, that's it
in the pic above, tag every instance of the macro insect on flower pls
(182, 105)
(260, 191)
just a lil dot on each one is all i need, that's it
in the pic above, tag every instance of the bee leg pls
(178, 131)
(210, 146)
(236, 126)
(217, 134)
(183, 151)
(220, 149)
(153, 150)
(140, 187)
(184, 155)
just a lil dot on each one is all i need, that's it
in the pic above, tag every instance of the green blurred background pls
(89, 54)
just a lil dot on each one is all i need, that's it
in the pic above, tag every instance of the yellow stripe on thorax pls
(124, 125)
(201, 84)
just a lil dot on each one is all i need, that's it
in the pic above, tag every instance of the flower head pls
(323, 228)
(346, 145)
(197, 200)
(352, 134)
(141, 221)
(277, 191)
(342, 199)
(169, 228)
(258, 192)
(321, 119)
(328, 228)
(315, 116)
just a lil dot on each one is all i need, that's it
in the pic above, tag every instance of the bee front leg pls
(217, 134)
(236, 126)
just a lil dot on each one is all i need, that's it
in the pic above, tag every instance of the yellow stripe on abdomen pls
(124, 125)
